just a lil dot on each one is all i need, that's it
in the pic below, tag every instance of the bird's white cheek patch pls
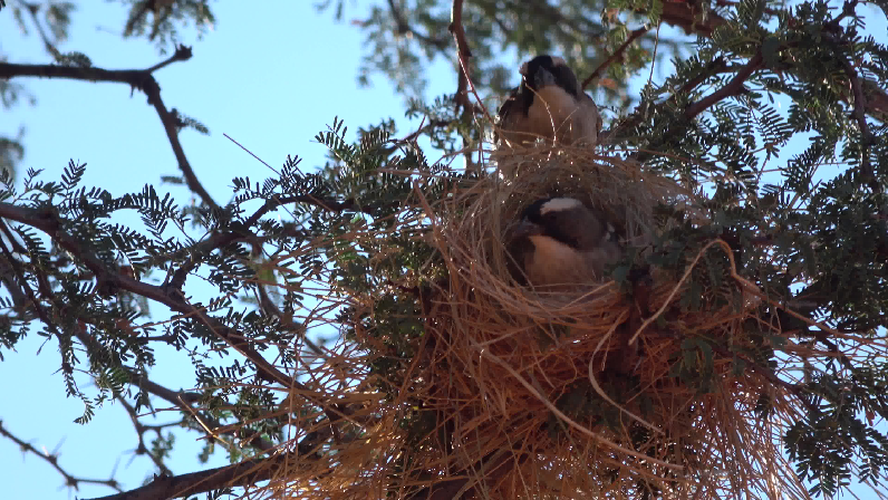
(559, 204)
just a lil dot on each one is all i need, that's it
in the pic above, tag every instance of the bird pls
(548, 103)
(562, 243)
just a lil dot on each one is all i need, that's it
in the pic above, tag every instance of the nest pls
(587, 393)
(610, 391)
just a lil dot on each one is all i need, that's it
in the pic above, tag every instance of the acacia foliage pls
(762, 77)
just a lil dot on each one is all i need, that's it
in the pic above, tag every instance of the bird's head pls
(562, 219)
(545, 70)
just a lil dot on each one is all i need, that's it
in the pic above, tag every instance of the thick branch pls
(241, 474)
(141, 79)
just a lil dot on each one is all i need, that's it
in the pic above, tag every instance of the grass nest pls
(657, 387)
(614, 390)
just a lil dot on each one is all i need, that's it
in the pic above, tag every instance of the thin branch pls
(464, 82)
(242, 232)
(404, 28)
(860, 107)
(616, 55)
(733, 87)
(32, 10)
(50, 224)
(180, 399)
(689, 17)
(716, 66)
(141, 429)
(141, 79)
(53, 459)
(463, 54)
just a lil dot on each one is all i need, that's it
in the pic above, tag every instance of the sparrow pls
(549, 103)
(561, 241)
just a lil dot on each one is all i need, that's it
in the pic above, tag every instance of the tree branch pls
(688, 16)
(859, 113)
(141, 79)
(242, 232)
(50, 224)
(405, 28)
(716, 66)
(181, 400)
(463, 54)
(734, 87)
(241, 474)
(53, 459)
(141, 429)
(245, 473)
(616, 55)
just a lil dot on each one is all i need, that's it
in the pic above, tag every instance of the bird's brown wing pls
(586, 122)
(515, 125)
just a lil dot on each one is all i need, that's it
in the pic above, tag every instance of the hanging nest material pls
(592, 394)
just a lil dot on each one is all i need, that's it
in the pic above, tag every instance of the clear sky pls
(271, 76)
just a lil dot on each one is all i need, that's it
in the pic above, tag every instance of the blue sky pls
(271, 76)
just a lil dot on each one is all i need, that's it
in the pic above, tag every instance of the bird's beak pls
(525, 229)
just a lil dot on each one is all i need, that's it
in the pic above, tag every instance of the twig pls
(180, 399)
(50, 224)
(242, 232)
(141, 79)
(859, 105)
(141, 429)
(260, 160)
(50, 47)
(53, 459)
(464, 54)
(717, 65)
(734, 87)
(404, 28)
(616, 55)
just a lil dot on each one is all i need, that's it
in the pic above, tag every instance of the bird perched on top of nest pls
(548, 104)
(561, 243)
